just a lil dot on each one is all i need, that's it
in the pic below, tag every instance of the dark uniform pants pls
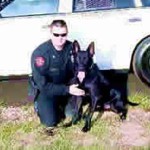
(51, 109)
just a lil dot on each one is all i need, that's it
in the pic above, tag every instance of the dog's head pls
(83, 59)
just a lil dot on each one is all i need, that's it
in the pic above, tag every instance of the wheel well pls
(131, 66)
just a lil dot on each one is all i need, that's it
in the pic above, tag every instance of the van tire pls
(141, 61)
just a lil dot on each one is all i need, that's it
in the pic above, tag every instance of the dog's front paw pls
(85, 129)
(123, 117)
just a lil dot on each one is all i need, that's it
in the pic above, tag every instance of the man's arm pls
(40, 64)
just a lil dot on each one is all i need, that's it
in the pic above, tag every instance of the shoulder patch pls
(39, 61)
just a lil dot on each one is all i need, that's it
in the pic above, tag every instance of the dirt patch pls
(83, 139)
(31, 139)
(24, 139)
(133, 131)
(9, 114)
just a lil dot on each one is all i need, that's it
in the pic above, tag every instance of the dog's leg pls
(88, 117)
(123, 114)
(73, 111)
(121, 109)
(78, 110)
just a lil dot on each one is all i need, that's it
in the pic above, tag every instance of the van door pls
(22, 29)
(116, 26)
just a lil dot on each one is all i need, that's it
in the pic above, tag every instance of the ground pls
(107, 131)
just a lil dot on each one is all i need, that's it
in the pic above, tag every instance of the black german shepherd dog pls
(99, 93)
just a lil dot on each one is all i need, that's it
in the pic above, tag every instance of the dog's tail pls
(132, 103)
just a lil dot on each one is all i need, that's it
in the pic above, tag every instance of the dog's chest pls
(88, 81)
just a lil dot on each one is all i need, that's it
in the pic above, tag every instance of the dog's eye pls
(85, 58)
(78, 59)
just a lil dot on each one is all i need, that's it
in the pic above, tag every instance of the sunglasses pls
(62, 35)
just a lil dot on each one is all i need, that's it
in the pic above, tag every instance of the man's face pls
(59, 36)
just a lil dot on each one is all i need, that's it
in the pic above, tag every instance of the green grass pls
(29, 135)
(2, 103)
(142, 99)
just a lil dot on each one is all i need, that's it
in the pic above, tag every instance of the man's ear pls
(76, 47)
(91, 49)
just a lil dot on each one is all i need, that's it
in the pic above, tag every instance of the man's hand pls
(74, 90)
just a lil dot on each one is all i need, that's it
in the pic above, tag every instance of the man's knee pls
(47, 111)
(48, 121)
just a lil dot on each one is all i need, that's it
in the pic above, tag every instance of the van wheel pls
(141, 61)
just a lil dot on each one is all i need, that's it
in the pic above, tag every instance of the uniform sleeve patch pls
(39, 61)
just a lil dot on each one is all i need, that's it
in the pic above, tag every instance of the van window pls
(4, 3)
(30, 7)
(84, 5)
(124, 3)
(146, 3)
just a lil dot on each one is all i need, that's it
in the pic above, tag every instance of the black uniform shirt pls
(52, 69)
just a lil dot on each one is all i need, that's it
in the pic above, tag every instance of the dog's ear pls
(76, 47)
(91, 49)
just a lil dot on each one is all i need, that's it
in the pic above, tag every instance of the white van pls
(119, 28)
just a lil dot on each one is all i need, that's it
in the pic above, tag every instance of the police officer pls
(51, 70)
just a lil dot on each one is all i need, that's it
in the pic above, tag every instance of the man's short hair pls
(58, 23)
